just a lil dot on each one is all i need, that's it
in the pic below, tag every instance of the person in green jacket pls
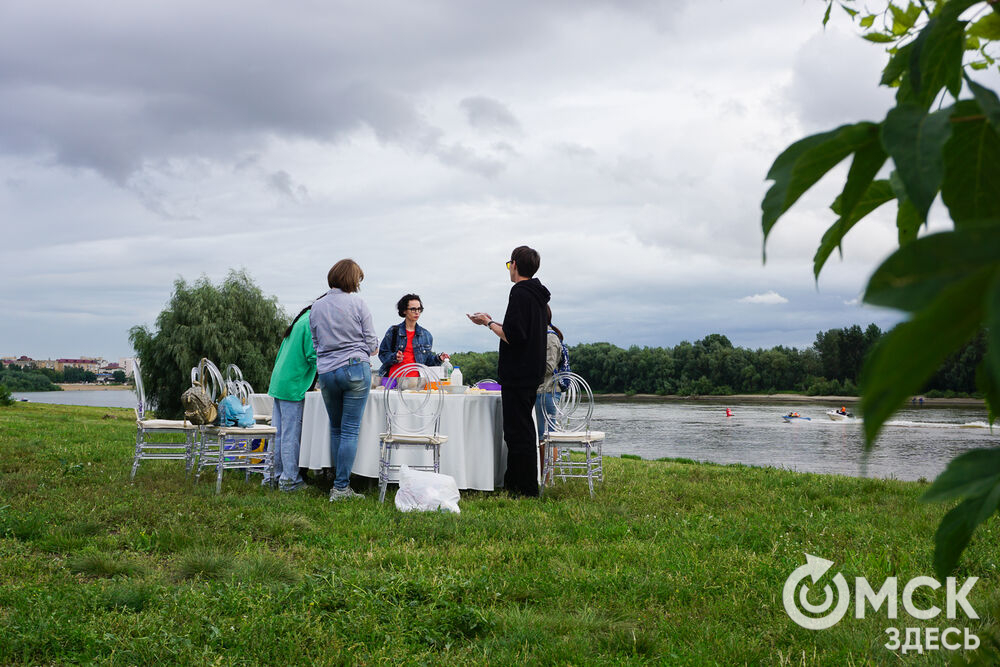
(294, 373)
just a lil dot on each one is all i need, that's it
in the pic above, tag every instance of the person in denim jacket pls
(408, 342)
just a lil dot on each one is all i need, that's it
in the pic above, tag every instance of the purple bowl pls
(389, 383)
(489, 386)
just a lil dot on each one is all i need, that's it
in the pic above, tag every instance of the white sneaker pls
(346, 493)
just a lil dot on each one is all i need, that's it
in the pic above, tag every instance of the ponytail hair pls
(296, 318)
(548, 309)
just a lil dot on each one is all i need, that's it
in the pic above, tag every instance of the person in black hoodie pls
(521, 367)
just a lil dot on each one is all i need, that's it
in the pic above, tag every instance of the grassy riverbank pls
(672, 563)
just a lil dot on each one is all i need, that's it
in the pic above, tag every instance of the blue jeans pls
(544, 404)
(286, 418)
(345, 392)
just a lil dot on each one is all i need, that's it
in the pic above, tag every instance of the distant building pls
(86, 363)
(22, 361)
(128, 365)
(95, 365)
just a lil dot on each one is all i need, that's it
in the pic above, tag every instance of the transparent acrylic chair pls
(570, 425)
(145, 427)
(413, 417)
(230, 447)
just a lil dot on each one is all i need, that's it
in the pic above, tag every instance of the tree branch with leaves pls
(942, 137)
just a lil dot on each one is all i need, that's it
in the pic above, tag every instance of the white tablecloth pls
(474, 454)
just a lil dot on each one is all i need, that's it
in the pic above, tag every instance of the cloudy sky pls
(626, 140)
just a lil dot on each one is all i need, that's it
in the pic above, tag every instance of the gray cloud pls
(489, 114)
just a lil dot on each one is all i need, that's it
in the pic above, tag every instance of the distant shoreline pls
(95, 387)
(777, 398)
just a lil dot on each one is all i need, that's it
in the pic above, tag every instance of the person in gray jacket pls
(345, 340)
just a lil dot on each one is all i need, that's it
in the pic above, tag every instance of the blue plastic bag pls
(234, 413)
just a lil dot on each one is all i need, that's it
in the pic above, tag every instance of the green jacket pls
(295, 367)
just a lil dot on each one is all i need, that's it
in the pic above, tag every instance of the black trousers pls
(518, 405)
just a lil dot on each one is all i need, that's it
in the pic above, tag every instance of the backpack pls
(198, 407)
(563, 366)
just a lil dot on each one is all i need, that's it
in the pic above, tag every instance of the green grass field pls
(672, 563)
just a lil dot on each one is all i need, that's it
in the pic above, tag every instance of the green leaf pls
(868, 159)
(907, 222)
(907, 218)
(826, 16)
(879, 38)
(971, 474)
(971, 184)
(988, 27)
(916, 274)
(850, 12)
(897, 65)
(956, 528)
(903, 19)
(906, 357)
(878, 193)
(867, 21)
(803, 163)
(989, 385)
(991, 361)
(988, 102)
(915, 140)
(940, 58)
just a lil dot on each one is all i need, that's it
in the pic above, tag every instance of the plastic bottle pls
(456, 377)
(446, 369)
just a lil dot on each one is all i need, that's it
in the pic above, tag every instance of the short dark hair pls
(527, 260)
(405, 301)
(345, 275)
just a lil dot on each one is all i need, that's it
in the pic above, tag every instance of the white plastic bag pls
(426, 491)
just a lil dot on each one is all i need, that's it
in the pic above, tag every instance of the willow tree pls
(942, 138)
(232, 323)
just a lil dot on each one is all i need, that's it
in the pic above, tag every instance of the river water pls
(917, 442)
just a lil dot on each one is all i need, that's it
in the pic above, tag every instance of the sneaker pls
(346, 493)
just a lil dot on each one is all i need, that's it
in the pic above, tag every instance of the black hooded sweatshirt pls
(522, 357)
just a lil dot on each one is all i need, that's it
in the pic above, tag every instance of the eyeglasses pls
(509, 262)
(416, 310)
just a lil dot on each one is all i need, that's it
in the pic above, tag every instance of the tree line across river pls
(29, 378)
(713, 366)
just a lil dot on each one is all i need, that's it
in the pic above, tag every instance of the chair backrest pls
(574, 406)
(233, 377)
(140, 392)
(241, 389)
(208, 376)
(413, 404)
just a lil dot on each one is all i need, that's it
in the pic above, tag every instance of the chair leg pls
(188, 452)
(437, 458)
(383, 470)
(218, 466)
(272, 480)
(138, 454)
(590, 471)
(200, 457)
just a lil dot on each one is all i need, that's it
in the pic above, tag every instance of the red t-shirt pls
(408, 354)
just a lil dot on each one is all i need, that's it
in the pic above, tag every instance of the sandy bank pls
(95, 387)
(775, 398)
